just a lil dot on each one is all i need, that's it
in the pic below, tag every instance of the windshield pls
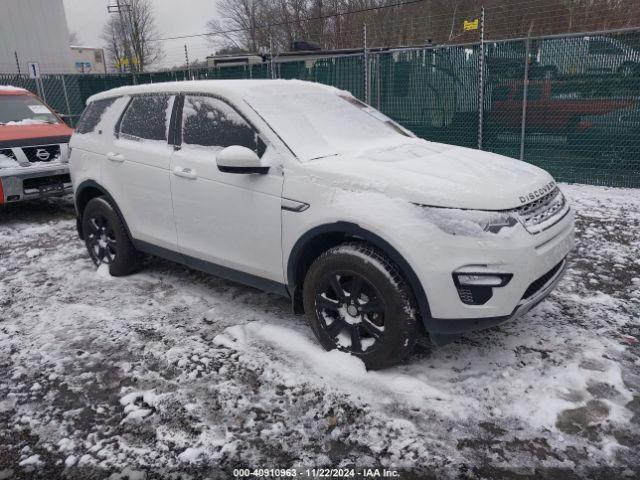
(24, 110)
(320, 124)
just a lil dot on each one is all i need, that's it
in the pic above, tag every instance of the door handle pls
(115, 157)
(185, 173)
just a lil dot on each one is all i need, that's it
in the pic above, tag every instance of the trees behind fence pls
(334, 24)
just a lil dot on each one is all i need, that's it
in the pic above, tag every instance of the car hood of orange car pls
(20, 133)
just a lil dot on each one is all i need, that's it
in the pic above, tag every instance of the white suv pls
(302, 190)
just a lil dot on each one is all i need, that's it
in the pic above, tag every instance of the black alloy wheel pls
(352, 310)
(101, 240)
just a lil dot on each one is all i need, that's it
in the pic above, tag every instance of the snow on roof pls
(11, 89)
(85, 47)
(228, 88)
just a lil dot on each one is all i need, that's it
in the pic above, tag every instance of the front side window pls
(209, 122)
(147, 118)
(24, 110)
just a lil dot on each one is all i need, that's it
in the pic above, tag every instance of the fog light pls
(469, 279)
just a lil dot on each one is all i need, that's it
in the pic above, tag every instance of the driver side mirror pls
(237, 159)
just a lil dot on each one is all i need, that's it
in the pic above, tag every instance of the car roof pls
(225, 88)
(10, 90)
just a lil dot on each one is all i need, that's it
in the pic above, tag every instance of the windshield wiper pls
(324, 156)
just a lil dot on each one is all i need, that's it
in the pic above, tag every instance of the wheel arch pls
(319, 239)
(88, 190)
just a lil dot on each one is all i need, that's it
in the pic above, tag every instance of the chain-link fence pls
(567, 104)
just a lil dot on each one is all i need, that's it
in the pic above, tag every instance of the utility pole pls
(124, 29)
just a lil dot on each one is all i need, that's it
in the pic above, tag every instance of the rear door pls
(139, 160)
(228, 219)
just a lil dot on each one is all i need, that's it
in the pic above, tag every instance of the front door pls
(227, 219)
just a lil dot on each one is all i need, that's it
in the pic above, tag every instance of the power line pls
(280, 24)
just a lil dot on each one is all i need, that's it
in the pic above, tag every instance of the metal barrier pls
(570, 105)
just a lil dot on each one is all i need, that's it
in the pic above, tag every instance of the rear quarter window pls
(93, 114)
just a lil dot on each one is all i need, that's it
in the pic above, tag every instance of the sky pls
(173, 17)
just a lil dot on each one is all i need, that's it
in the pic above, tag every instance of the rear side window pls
(147, 118)
(210, 122)
(93, 114)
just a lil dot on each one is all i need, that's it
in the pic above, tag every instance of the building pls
(34, 31)
(88, 60)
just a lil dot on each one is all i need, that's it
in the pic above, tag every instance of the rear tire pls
(106, 238)
(356, 301)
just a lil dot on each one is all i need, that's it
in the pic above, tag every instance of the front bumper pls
(446, 330)
(535, 263)
(28, 183)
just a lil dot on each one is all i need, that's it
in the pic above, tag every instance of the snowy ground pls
(174, 372)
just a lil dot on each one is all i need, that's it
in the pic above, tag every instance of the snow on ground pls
(171, 371)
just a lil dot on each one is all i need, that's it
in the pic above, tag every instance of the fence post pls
(481, 92)
(525, 89)
(271, 58)
(39, 89)
(44, 93)
(66, 100)
(367, 90)
(378, 79)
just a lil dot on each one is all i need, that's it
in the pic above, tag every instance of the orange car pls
(34, 148)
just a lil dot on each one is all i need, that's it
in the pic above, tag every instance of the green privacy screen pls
(569, 105)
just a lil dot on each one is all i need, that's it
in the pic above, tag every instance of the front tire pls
(356, 301)
(106, 238)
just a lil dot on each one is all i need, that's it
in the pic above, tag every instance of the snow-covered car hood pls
(435, 174)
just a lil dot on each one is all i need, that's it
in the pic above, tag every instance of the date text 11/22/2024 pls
(315, 473)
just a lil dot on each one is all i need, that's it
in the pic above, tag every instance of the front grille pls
(541, 282)
(42, 153)
(39, 182)
(465, 295)
(7, 152)
(544, 212)
(476, 295)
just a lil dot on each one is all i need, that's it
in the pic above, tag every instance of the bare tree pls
(113, 36)
(131, 43)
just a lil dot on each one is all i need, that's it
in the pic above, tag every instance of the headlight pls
(470, 223)
(65, 153)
